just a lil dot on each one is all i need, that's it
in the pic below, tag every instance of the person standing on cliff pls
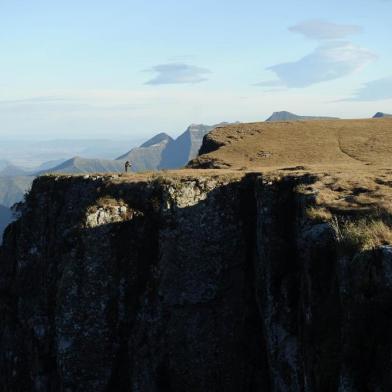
(127, 166)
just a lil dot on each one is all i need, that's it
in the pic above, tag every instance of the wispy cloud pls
(376, 90)
(323, 30)
(332, 59)
(178, 73)
(34, 100)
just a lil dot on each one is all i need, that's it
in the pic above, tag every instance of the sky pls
(129, 69)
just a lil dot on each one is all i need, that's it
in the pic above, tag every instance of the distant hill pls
(349, 143)
(381, 115)
(12, 170)
(5, 220)
(149, 155)
(86, 165)
(49, 165)
(3, 164)
(287, 116)
(162, 152)
(185, 147)
(12, 189)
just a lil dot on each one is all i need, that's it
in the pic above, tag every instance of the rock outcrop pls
(208, 282)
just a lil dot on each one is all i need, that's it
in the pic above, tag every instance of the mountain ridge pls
(382, 115)
(149, 154)
(163, 152)
(86, 165)
(288, 116)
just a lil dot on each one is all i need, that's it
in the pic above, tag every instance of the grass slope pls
(286, 144)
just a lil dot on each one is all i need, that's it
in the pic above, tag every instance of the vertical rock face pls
(276, 274)
(140, 286)
(187, 284)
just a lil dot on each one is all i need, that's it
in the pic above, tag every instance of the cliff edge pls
(199, 281)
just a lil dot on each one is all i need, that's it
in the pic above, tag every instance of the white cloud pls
(322, 30)
(178, 73)
(376, 90)
(329, 61)
(332, 59)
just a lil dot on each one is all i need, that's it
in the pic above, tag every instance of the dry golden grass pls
(360, 191)
(356, 203)
(364, 234)
(318, 214)
(309, 143)
(345, 166)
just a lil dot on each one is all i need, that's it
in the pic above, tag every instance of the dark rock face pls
(187, 284)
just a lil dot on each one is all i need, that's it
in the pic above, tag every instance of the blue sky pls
(132, 68)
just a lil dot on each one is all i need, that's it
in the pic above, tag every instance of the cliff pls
(198, 281)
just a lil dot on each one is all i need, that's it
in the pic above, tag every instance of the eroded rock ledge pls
(192, 283)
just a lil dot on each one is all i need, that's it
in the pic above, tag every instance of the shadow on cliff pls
(186, 286)
(191, 322)
(163, 300)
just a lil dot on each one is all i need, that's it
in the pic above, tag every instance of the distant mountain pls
(185, 147)
(149, 155)
(381, 115)
(28, 153)
(162, 152)
(86, 165)
(12, 170)
(3, 164)
(49, 165)
(5, 220)
(12, 189)
(287, 116)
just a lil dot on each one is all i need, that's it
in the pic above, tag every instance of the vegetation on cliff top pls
(344, 143)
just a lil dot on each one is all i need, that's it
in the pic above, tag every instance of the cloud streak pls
(375, 90)
(322, 30)
(329, 61)
(332, 59)
(178, 73)
(34, 100)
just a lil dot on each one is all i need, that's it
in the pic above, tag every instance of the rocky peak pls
(158, 139)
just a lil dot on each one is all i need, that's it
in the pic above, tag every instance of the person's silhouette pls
(127, 166)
